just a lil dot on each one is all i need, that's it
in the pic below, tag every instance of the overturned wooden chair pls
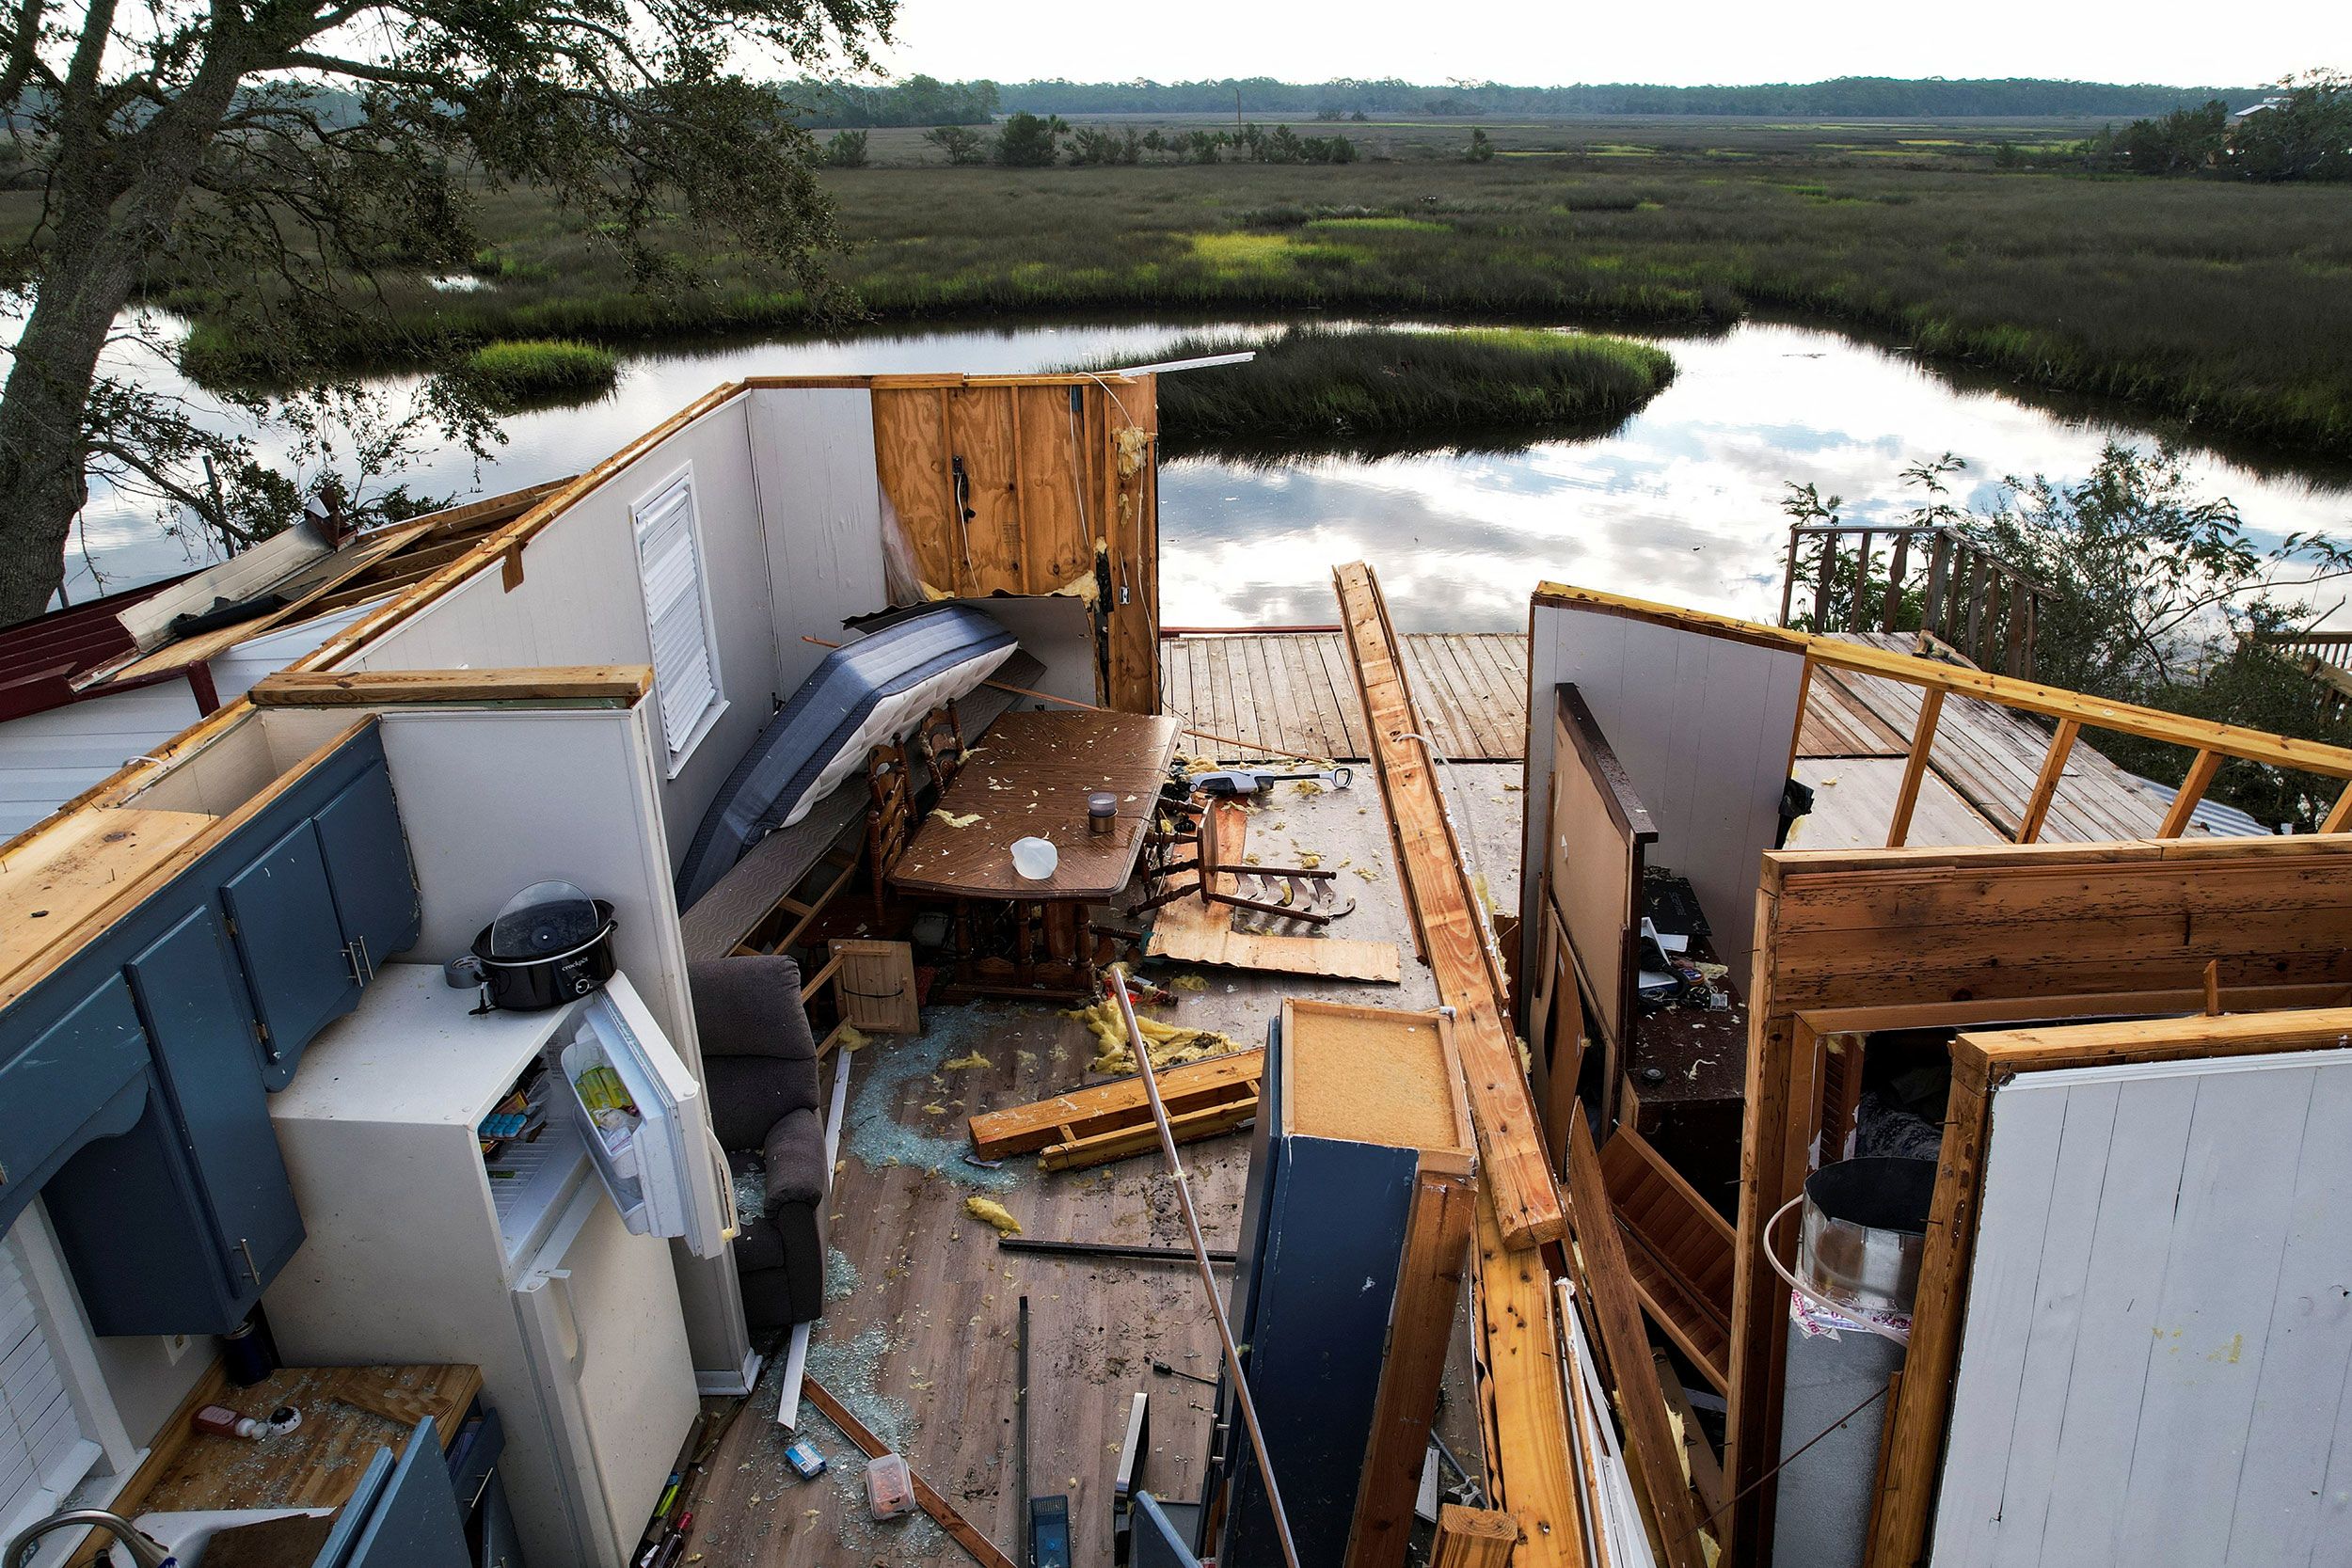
(889, 820)
(1305, 893)
(938, 740)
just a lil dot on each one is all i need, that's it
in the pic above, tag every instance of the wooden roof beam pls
(1451, 930)
(623, 683)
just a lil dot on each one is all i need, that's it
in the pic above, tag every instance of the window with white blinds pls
(44, 1453)
(677, 611)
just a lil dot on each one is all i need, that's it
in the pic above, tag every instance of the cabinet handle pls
(351, 962)
(479, 1490)
(246, 1248)
(368, 958)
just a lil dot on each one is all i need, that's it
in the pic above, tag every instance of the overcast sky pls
(1686, 42)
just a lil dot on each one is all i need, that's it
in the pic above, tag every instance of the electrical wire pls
(1201, 1256)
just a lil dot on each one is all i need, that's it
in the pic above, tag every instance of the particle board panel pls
(1593, 864)
(2156, 1298)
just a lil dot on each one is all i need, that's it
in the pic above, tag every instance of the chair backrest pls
(940, 739)
(889, 819)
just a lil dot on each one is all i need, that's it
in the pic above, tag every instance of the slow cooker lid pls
(544, 919)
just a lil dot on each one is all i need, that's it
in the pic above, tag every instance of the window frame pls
(65, 1328)
(678, 756)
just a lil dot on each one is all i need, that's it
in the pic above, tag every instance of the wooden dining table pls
(1031, 779)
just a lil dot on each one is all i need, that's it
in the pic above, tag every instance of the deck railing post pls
(1895, 575)
(1939, 582)
(1827, 580)
(1788, 577)
(1978, 585)
(1861, 585)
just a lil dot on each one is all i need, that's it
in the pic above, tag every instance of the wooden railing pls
(1964, 596)
(2326, 657)
(2213, 743)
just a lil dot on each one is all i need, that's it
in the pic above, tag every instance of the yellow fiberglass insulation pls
(988, 1211)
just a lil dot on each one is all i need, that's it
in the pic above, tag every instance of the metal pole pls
(1021, 1441)
(1201, 1256)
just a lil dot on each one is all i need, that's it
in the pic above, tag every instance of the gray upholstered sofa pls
(759, 1071)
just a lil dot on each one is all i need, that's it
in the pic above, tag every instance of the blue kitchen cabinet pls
(402, 1514)
(82, 1077)
(368, 867)
(303, 975)
(139, 1109)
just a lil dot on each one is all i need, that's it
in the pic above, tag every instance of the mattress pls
(867, 693)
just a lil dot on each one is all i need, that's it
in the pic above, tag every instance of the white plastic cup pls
(1035, 858)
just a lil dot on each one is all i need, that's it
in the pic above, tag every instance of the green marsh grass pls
(540, 370)
(2218, 306)
(1317, 388)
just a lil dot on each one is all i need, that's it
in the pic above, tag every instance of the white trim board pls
(2159, 1321)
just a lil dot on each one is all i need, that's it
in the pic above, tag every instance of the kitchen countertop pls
(347, 1413)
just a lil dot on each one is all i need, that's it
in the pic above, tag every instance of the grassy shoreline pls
(2219, 305)
(1369, 390)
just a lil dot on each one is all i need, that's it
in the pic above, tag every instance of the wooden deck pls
(1290, 693)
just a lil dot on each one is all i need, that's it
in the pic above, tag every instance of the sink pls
(185, 1534)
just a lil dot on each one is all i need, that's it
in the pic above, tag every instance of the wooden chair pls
(1193, 828)
(940, 739)
(889, 820)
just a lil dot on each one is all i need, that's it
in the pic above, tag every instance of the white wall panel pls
(820, 500)
(1703, 725)
(48, 758)
(2159, 1320)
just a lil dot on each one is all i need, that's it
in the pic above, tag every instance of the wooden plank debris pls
(983, 1551)
(1474, 1537)
(392, 687)
(1191, 931)
(1111, 1122)
(1523, 1402)
(1517, 1171)
(1632, 1372)
(1680, 1251)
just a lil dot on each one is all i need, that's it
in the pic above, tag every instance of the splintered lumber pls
(1516, 1171)
(1633, 1373)
(1110, 1122)
(1193, 930)
(1474, 1537)
(1523, 1406)
(982, 1549)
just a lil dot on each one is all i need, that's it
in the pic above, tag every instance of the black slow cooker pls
(550, 945)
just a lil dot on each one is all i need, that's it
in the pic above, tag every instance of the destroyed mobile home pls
(753, 1006)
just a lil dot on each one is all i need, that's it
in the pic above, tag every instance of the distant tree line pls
(2302, 130)
(1931, 97)
(1035, 141)
(917, 100)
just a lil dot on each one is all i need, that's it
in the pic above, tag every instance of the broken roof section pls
(292, 578)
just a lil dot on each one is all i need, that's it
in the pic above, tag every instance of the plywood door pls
(2159, 1320)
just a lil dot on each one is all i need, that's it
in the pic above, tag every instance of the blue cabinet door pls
(201, 1023)
(68, 1084)
(368, 866)
(301, 971)
(412, 1522)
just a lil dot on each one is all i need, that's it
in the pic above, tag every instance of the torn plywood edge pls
(1193, 930)
(1451, 926)
(1680, 1252)
(1523, 1400)
(1110, 1122)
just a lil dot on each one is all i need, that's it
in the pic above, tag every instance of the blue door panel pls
(299, 972)
(196, 1007)
(414, 1523)
(368, 865)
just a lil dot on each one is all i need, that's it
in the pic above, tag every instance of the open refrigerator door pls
(640, 1112)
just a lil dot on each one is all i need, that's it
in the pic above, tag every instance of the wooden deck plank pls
(1277, 692)
(1509, 685)
(1333, 659)
(1307, 672)
(1474, 733)
(1500, 702)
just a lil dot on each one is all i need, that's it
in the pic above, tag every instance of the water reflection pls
(1680, 503)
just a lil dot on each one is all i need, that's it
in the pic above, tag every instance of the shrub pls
(1091, 146)
(1028, 142)
(509, 373)
(963, 146)
(1482, 147)
(846, 150)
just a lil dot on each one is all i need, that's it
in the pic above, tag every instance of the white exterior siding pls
(48, 758)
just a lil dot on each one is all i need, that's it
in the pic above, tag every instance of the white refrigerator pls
(547, 1264)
